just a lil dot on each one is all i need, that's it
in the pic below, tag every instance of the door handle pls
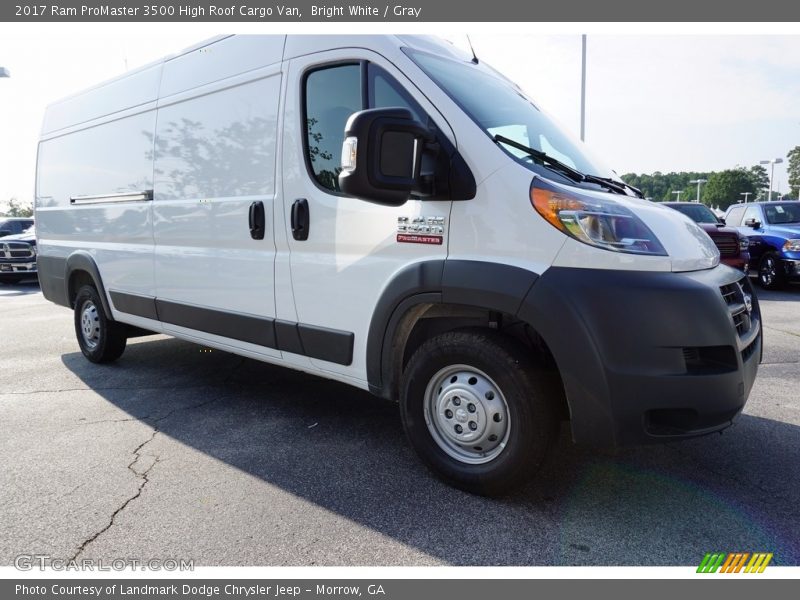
(300, 219)
(257, 220)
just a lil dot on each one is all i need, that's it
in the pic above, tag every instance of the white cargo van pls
(387, 212)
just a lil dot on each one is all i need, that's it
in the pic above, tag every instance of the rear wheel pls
(101, 339)
(769, 272)
(477, 411)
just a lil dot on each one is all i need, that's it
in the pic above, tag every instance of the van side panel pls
(136, 88)
(215, 153)
(110, 158)
(215, 156)
(219, 60)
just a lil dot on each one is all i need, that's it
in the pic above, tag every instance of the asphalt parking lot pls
(183, 453)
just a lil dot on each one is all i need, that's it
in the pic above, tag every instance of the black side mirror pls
(387, 157)
(752, 223)
(721, 220)
(382, 156)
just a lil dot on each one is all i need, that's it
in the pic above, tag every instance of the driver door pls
(349, 250)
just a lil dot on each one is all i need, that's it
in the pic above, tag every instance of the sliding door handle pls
(258, 220)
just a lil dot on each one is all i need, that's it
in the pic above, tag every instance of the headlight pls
(598, 222)
(744, 243)
(791, 246)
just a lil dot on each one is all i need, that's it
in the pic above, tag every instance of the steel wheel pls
(467, 414)
(90, 324)
(101, 339)
(478, 410)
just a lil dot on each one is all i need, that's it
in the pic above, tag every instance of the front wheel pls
(769, 272)
(101, 339)
(477, 410)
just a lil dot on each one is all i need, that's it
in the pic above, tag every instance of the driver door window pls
(332, 94)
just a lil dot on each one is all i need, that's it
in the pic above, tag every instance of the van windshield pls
(500, 108)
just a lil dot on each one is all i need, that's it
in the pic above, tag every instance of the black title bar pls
(399, 12)
(731, 588)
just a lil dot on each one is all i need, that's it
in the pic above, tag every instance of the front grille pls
(730, 293)
(727, 245)
(740, 306)
(16, 250)
(743, 310)
(748, 351)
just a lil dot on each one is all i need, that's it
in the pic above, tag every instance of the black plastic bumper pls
(648, 357)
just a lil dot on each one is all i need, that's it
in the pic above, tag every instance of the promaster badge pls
(420, 230)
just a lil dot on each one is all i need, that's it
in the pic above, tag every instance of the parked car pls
(386, 212)
(18, 256)
(732, 246)
(773, 229)
(14, 225)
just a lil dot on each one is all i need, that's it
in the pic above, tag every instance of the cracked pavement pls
(176, 453)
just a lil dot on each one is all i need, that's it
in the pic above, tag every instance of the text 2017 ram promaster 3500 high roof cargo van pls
(385, 212)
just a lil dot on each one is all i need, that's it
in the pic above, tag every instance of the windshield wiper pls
(621, 185)
(564, 168)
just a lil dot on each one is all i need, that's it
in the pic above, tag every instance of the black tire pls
(523, 391)
(105, 340)
(770, 275)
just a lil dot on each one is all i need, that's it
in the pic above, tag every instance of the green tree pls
(724, 188)
(17, 209)
(760, 177)
(794, 172)
(660, 186)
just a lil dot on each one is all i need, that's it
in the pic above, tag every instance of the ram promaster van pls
(387, 212)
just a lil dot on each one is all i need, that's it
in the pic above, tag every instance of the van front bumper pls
(648, 357)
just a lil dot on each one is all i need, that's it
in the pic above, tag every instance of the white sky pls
(668, 103)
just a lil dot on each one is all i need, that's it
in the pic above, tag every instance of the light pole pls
(583, 87)
(772, 163)
(679, 192)
(699, 182)
(745, 194)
